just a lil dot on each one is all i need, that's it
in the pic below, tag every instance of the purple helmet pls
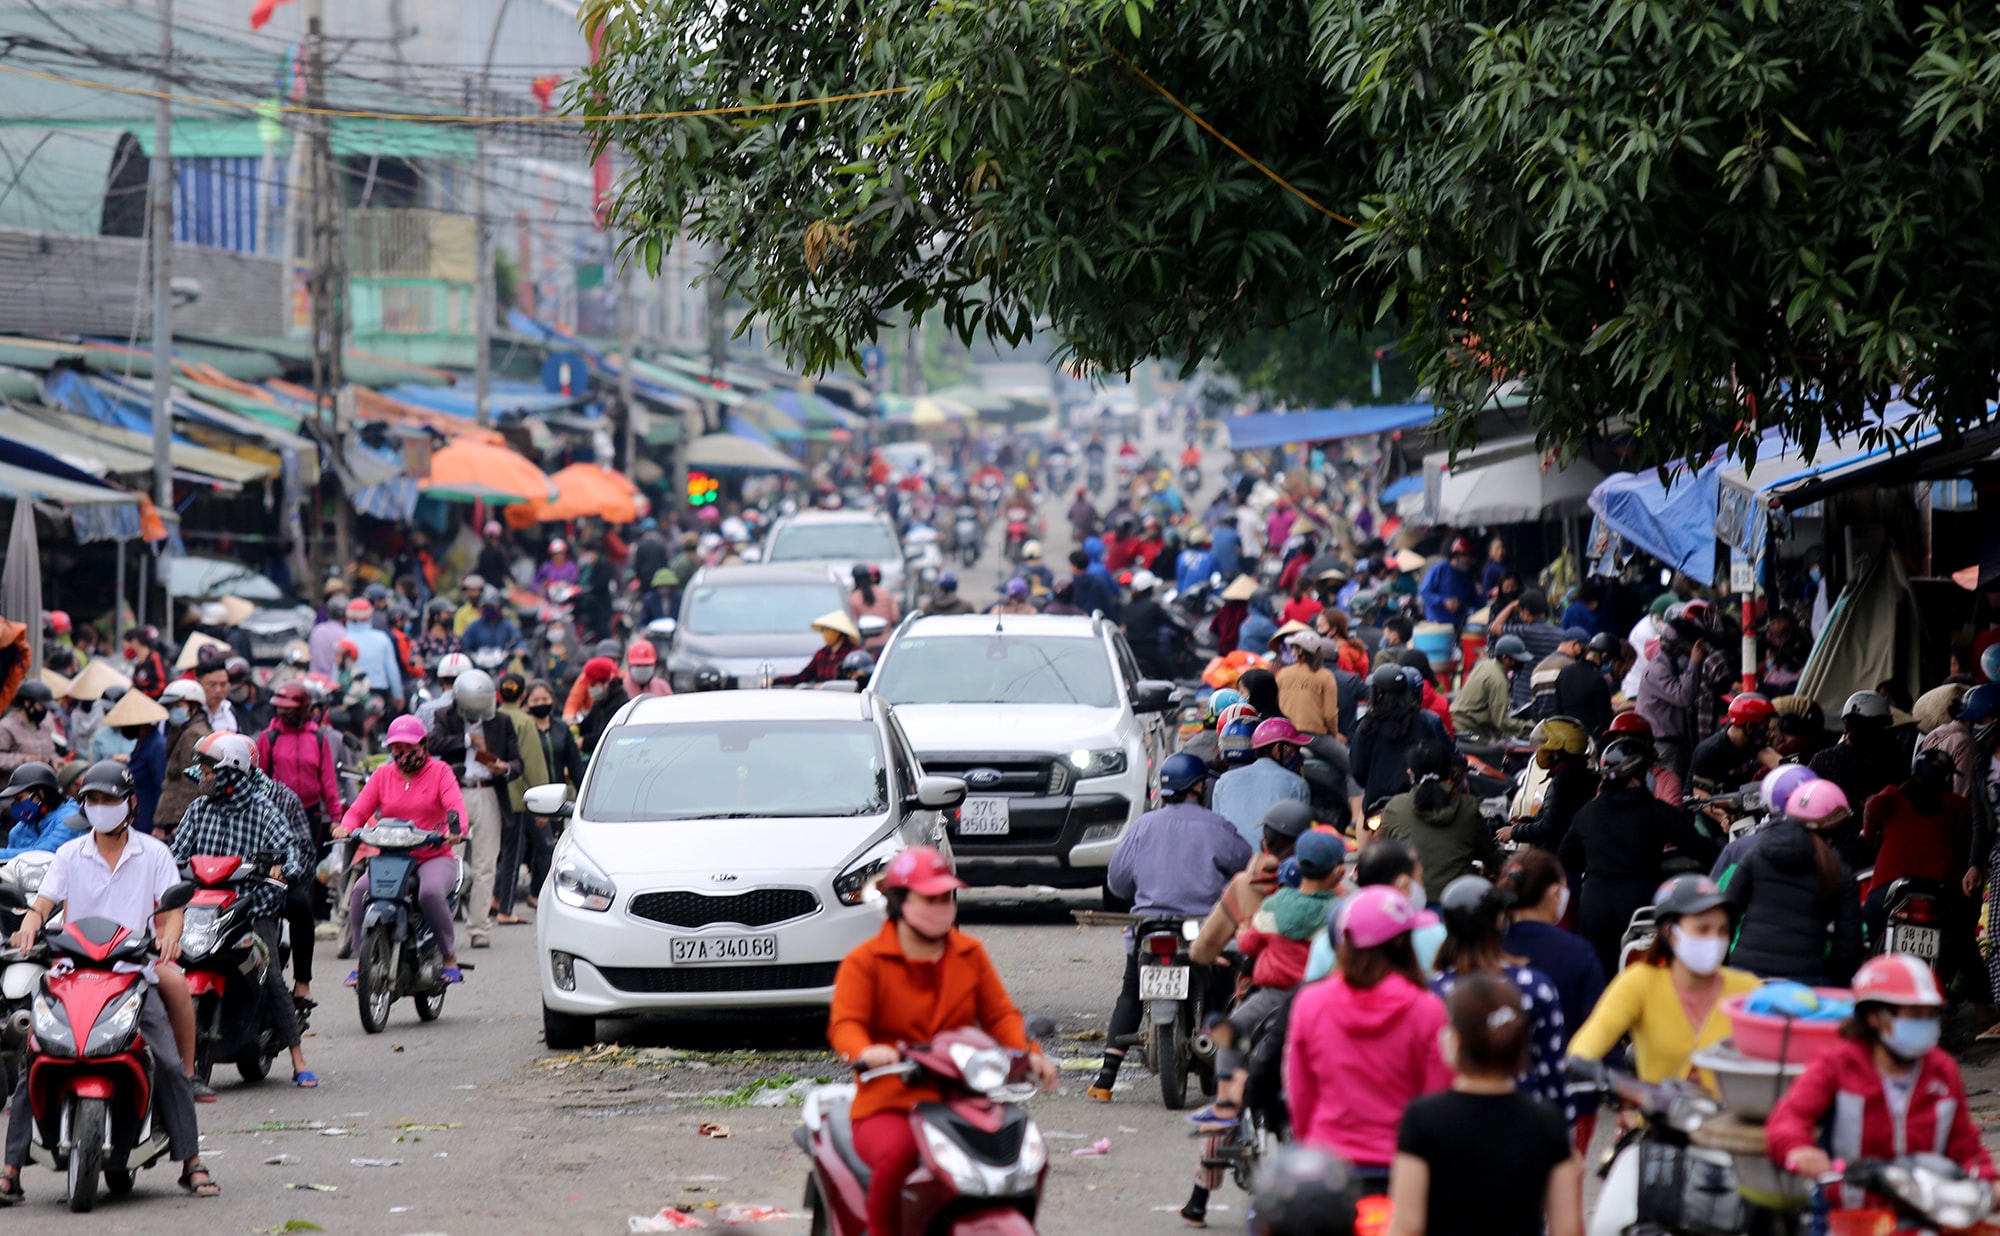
(1779, 784)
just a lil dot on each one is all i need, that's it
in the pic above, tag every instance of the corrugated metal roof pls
(362, 367)
(120, 451)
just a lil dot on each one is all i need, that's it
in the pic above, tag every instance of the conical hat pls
(236, 611)
(56, 682)
(90, 684)
(136, 708)
(837, 620)
(197, 646)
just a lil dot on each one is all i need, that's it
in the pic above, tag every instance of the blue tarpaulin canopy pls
(1674, 522)
(1249, 433)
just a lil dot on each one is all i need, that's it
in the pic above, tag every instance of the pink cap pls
(405, 728)
(1376, 915)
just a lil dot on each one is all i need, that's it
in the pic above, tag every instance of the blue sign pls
(566, 373)
(873, 360)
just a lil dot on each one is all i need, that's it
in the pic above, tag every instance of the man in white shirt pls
(115, 873)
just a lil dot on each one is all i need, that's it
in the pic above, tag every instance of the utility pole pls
(628, 343)
(482, 285)
(326, 279)
(162, 170)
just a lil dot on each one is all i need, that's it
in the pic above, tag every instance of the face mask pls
(107, 817)
(1702, 955)
(489, 613)
(1427, 941)
(291, 720)
(642, 673)
(240, 695)
(932, 920)
(1813, 574)
(556, 635)
(596, 693)
(26, 810)
(177, 715)
(540, 711)
(35, 713)
(411, 761)
(1911, 1038)
(1418, 896)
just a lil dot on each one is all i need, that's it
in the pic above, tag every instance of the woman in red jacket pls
(1887, 1062)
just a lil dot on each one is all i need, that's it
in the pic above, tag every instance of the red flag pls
(261, 14)
(544, 89)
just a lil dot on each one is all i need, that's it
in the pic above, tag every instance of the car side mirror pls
(176, 897)
(547, 800)
(939, 793)
(1153, 695)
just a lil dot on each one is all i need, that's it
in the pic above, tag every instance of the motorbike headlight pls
(198, 932)
(983, 1068)
(52, 1033)
(116, 1023)
(1034, 1152)
(951, 1159)
(581, 883)
(857, 884)
(1107, 762)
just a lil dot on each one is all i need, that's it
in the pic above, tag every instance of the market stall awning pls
(1249, 433)
(26, 472)
(584, 490)
(726, 450)
(1674, 522)
(96, 447)
(465, 471)
(926, 410)
(1501, 484)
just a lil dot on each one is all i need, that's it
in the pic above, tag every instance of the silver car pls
(837, 540)
(723, 854)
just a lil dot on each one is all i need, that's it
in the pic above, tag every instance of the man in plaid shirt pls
(236, 815)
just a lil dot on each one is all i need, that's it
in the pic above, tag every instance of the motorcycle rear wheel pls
(375, 982)
(430, 1004)
(256, 1068)
(86, 1155)
(1170, 1057)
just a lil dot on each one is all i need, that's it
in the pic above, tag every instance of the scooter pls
(965, 535)
(90, 1080)
(20, 972)
(398, 955)
(226, 962)
(1176, 1000)
(983, 1160)
(1913, 919)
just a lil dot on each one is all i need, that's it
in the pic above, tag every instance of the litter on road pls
(1099, 1147)
(667, 1220)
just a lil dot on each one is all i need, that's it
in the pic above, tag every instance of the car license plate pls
(716, 950)
(1916, 941)
(983, 817)
(1163, 982)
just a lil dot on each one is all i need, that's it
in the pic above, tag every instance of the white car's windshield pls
(760, 609)
(709, 770)
(998, 669)
(813, 542)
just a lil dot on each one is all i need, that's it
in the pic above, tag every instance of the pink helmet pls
(1781, 783)
(1818, 805)
(1376, 915)
(1276, 730)
(405, 728)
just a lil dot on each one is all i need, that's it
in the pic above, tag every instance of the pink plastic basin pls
(1762, 1036)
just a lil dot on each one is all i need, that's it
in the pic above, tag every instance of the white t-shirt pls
(476, 773)
(127, 894)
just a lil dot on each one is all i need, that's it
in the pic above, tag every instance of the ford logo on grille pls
(983, 778)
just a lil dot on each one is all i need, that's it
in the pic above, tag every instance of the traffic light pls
(702, 488)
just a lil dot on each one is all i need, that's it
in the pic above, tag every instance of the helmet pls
(1017, 587)
(298, 652)
(1989, 662)
(1306, 1191)
(452, 664)
(238, 670)
(33, 775)
(1460, 548)
(558, 546)
(1234, 740)
(180, 689)
(1276, 730)
(349, 649)
(1219, 700)
(35, 691)
(1749, 709)
(1781, 783)
(1288, 817)
(1472, 905)
(438, 607)
(1562, 734)
(1510, 647)
(1818, 805)
(1697, 610)
(1899, 979)
(57, 621)
(291, 695)
(708, 679)
(492, 527)
(232, 755)
(1630, 722)
(860, 661)
(1388, 680)
(921, 869)
(1181, 771)
(1933, 763)
(1239, 711)
(360, 609)
(1981, 703)
(474, 695)
(1625, 757)
(1376, 915)
(1031, 549)
(106, 777)
(1604, 644)
(1865, 705)
(1687, 894)
(642, 653)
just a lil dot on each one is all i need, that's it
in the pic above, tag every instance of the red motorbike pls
(984, 1161)
(90, 1074)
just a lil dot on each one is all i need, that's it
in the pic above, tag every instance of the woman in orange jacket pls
(916, 978)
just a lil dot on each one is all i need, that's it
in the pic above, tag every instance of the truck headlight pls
(1107, 762)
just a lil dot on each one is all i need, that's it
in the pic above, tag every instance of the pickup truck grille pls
(1037, 777)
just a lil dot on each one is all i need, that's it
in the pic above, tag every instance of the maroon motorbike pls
(983, 1160)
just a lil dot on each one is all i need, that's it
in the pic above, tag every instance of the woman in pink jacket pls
(417, 787)
(1365, 1041)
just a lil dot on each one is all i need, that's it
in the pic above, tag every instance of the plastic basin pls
(1763, 1036)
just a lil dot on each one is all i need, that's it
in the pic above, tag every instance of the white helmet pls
(227, 749)
(183, 690)
(452, 664)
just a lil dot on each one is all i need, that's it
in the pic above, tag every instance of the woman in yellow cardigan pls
(1670, 1002)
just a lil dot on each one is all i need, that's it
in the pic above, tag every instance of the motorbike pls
(965, 535)
(91, 1091)
(1093, 475)
(1744, 807)
(226, 962)
(1913, 919)
(983, 1160)
(492, 660)
(398, 954)
(1176, 1000)
(20, 972)
(1017, 534)
(1190, 477)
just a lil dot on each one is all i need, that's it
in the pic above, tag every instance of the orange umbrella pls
(475, 468)
(585, 489)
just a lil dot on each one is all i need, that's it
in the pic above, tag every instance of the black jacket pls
(1583, 692)
(447, 742)
(592, 726)
(1798, 911)
(1382, 764)
(1617, 843)
(1150, 632)
(1571, 786)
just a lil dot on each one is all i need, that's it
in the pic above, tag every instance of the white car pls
(723, 853)
(838, 540)
(1048, 722)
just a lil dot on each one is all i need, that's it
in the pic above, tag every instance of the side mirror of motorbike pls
(176, 897)
(939, 793)
(552, 800)
(1153, 695)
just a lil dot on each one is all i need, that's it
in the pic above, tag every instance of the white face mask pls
(642, 673)
(1701, 954)
(107, 817)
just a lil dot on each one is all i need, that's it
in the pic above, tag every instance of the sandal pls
(353, 979)
(510, 920)
(452, 974)
(10, 1189)
(306, 1080)
(196, 1180)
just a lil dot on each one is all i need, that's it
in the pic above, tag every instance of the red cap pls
(600, 669)
(921, 869)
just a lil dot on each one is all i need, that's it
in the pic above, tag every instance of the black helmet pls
(114, 693)
(1472, 905)
(106, 777)
(33, 775)
(1605, 644)
(1934, 764)
(708, 680)
(1388, 680)
(1306, 1191)
(1625, 757)
(1288, 818)
(1687, 894)
(34, 691)
(238, 670)
(860, 661)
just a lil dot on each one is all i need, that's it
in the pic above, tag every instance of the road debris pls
(734, 1214)
(314, 1188)
(375, 1162)
(668, 1219)
(1101, 1146)
(711, 1129)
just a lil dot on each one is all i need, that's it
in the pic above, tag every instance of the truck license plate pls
(1163, 982)
(1916, 941)
(983, 817)
(716, 950)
